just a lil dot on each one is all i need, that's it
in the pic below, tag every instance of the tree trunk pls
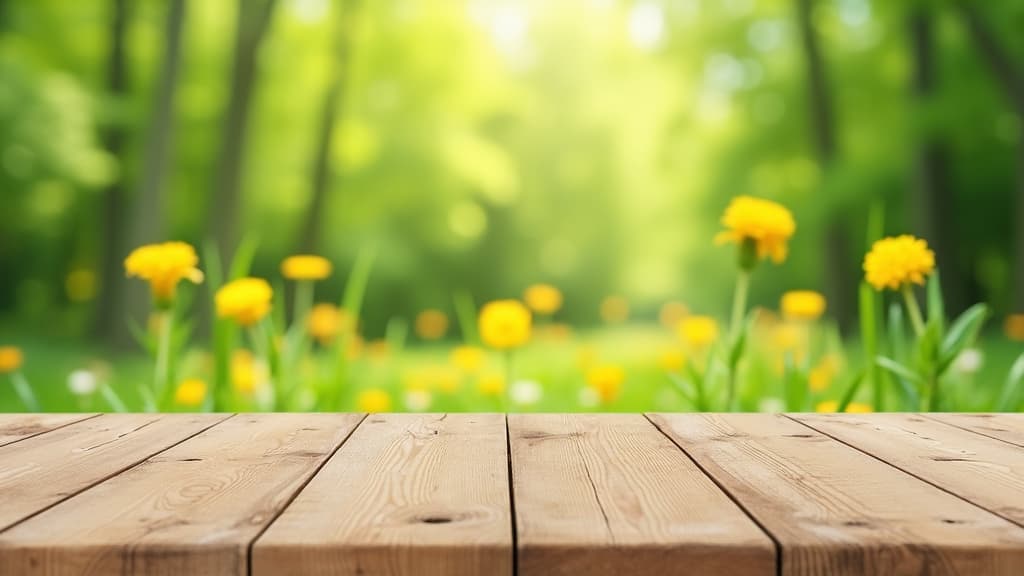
(838, 282)
(110, 323)
(148, 224)
(223, 222)
(1011, 79)
(309, 234)
(932, 204)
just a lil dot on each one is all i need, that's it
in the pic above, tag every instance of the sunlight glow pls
(646, 25)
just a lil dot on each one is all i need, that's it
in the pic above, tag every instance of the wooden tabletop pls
(489, 494)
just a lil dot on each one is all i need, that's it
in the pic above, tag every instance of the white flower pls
(771, 404)
(82, 382)
(526, 392)
(969, 361)
(417, 400)
(588, 397)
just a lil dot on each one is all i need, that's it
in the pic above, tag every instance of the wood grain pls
(193, 509)
(15, 427)
(408, 494)
(835, 510)
(1005, 427)
(41, 471)
(984, 471)
(609, 495)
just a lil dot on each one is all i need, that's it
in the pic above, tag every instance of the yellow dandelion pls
(764, 225)
(306, 267)
(615, 309)
(431, 324)
(374, 400)
(505, 324)
(11, 359)
(246, 300)
(190, 392)
(468, 359)
(606, 380)
(852, 407)
(491, 385)
(897, 262)
(244, 372)
(326, 321)
(698, 331)
(805, 305)
(1013, 327)
(164, 266)
(543, 299)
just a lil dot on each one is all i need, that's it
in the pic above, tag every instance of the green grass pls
(557, 365)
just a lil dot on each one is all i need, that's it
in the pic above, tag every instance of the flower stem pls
(162, 366)
(24, 390)
(739, 303)
(933, 398)
(115, 402)
(508, 378)
(913, 309)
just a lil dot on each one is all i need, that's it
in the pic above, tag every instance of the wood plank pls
(408, 494)
(983, 470)
(610, 495)
(1001, 426)
(15, 427)
(43, 470)
(835, 510)
(193, 509)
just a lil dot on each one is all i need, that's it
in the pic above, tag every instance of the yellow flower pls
(698, 331)
(244, 372)
(606, 380)
(852, 407)
(766, 224)
(821, 376)
(374, 400)
(672, 313)
(898, 261)
(431, 324)
(190, 392)
(469, 359)
(671, 360)
(491, 385)
(246, 300)
(325, 322)
(615, 309)
(306, 267)
(1014, 327)
(505, 324)
(543, 299)
(378, 349)
(163, 266)
(11, 358)
(802, 305)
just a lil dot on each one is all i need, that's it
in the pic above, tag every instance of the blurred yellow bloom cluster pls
(431, 324)
(373, 400)
(852, 407)
(505, 324)
(246, 300)
(766, 224)
(897, 262)
(698, 331)
(11, 358)
(805, 305)
(544, 299)
(190, 392)
(468, 359)
(606, 380)
(164, 266)
(306, 267)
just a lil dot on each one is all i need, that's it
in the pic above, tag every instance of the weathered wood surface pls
(431, 494)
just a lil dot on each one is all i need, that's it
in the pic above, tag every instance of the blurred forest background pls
(483, 145)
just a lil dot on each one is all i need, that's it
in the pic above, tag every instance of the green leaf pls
(936, 306)
(897, 332)
(683, 386)
(962, 333)
(241, 263)
(698, 379)
(795, 383)
(928, 349)
(739, 346)
(465, 311)
(851, 391)
(358, 280)
(899, 370)
(1010, 398)
(869, 341)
